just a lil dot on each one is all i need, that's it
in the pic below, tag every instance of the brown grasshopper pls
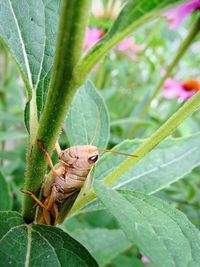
(63, 183)
(65, 180)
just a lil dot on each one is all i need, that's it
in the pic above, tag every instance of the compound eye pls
(93, 159)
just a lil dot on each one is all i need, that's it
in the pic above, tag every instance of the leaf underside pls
(161, 232)
(88, 121)
(28, 28)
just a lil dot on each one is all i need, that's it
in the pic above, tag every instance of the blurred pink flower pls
(130, 48)
(177, 14)
(128, 45)
(182, 91)
(145, 260)
(92, 36)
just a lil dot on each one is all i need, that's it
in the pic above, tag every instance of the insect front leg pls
(53, 170)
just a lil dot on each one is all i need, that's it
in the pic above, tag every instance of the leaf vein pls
(46, 240)
(11, 229)
(22, 44)
(43, 54)
(156, 168)
(29, 227)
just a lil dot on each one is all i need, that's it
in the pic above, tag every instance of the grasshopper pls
(65, 180)
(63, 183)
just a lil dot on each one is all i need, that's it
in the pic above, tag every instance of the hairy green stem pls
(165, 130)
(181, 51)
(63, 84)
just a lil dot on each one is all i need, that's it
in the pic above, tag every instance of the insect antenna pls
(117, 152)
(107, 150)
(97, 122)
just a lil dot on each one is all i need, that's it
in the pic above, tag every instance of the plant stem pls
(63, 84)
(101, 75)
(181, 51)
(165, 130)
(33, 118)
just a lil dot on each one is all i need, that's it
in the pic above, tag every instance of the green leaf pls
(161, 232)
(103, 244)
(88, 120)
(133, 15)
(158, 169)
(38, 245)
(29, 30)
(5, 194)
(11, 135)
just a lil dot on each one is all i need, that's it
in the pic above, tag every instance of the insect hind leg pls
(50, 213)
(48, 207)
(37, 200)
